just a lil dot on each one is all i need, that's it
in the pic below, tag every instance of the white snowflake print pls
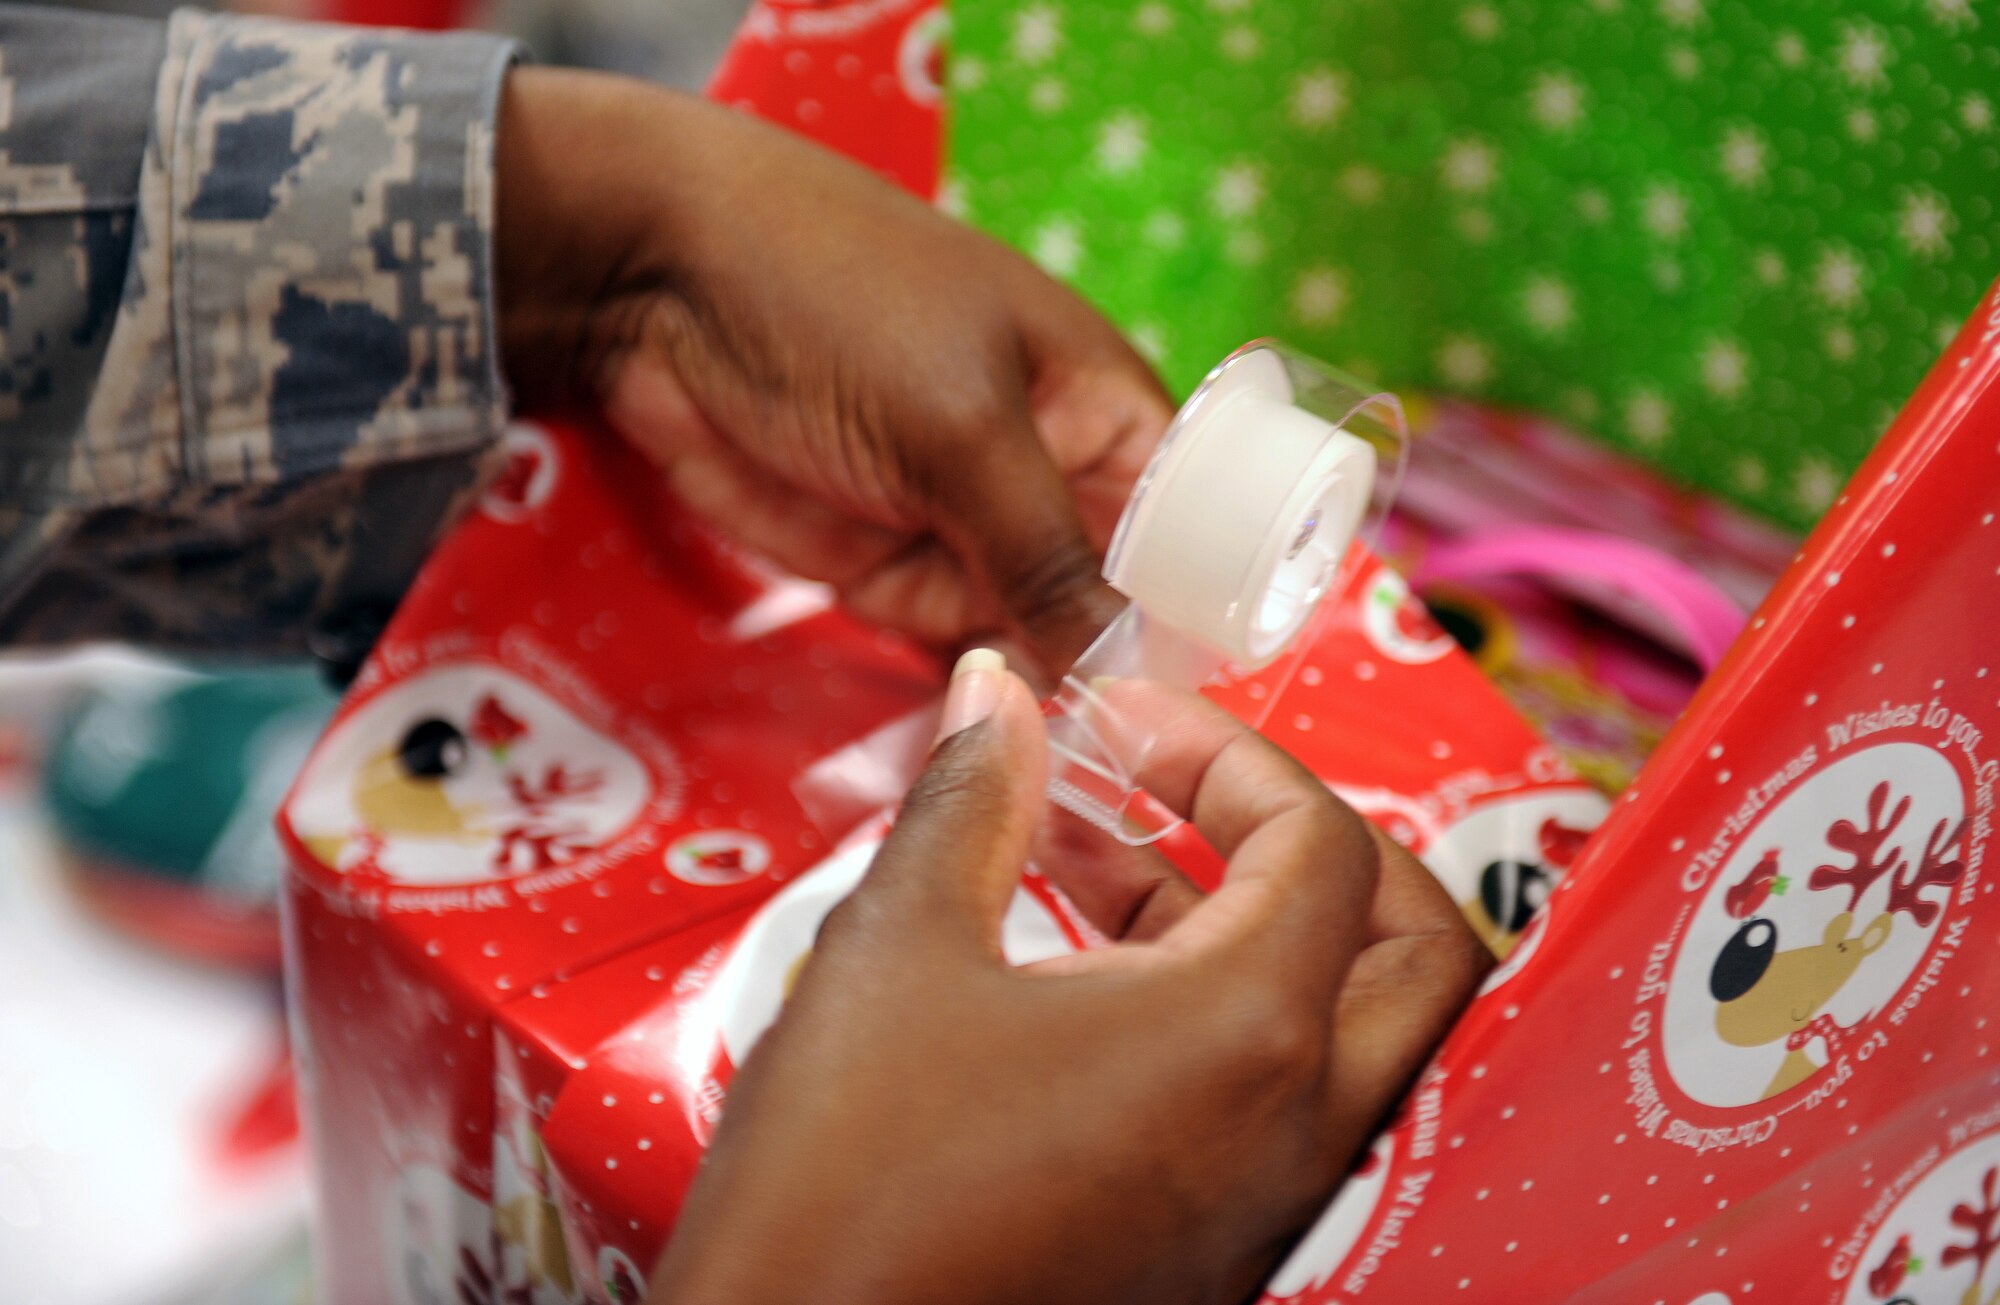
(1318, 296)
(1814, 483)
(1864, 56)
(1475, 225)
(1744, 160)
(1648, 418)
(1047, 95)
(1924, 224)
(1667, 274)
(1593, 206)
(1245, 248)
(1839, 342)
(1239, 189)
(951, 197)
(1058, 246)
(1683, 64)
(1556, 101)
(1976, 112)
(1664, 211)
(1945, 332)
(1465, 361)
(1683, 13)
(1361, 184)
(1750, 475)
(1037, 34)
(1839, 278)
(1953, 14)
(966, 73)
(1121, 143)
(1165, 229)
(1318, 97)
(1861, 125)
(1725, 369)
(1241, 44)
(1549, 305)
(1470, 166)
(1480, 22)
(1153, 19)
(1789, 49)
(1769, 265)
(1150, 341)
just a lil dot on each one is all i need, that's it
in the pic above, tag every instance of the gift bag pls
(1728, 237)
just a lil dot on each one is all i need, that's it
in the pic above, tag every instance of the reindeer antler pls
(1934, 869)
(1982, 1223)
(1865, 845)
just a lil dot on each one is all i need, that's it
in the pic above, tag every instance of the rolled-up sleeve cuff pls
(310, 288)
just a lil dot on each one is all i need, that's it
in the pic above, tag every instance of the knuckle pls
(1275, 1038)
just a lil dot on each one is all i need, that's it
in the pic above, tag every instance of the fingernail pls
(974, 691)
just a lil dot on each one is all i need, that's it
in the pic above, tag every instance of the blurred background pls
(1665, 269)
(149, 1150)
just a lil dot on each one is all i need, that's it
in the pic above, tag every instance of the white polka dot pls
(1722, 777)
(1847, 622)
(610, 1101)
(490, 949)
(1302, 722)
(656, 1097)
(433, 948)
(1833, 577)
(1512, 1247)
(1811, 698)
(611, 1162)
(1605, 1199)
(1480, 1195)
(1479, 1071)
(654, 973)
(572, 925)
(1876, 669)
(1888, 550)
(1364, 670)
(1311, 676)
(1714, 751)
(1507, 1113)
(645, 1144)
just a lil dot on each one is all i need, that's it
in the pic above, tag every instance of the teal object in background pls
(180, 779)
(1728, 236)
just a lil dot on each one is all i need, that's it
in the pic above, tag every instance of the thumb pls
(1004, 508)
(950, 866)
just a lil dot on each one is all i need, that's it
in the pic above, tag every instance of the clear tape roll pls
(1236, 531)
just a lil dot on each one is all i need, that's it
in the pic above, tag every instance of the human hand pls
(859, 388)
(1151, 1122)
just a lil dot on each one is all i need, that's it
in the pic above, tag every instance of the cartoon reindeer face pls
(1765, 994)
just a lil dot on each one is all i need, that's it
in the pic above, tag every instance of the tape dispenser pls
(1242, 523)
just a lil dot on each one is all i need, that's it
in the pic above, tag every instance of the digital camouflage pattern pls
(247, 362)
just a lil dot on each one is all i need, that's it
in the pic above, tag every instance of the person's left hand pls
(842, 379)
(1153, 1122)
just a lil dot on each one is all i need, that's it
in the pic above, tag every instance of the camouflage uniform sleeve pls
(247, 357)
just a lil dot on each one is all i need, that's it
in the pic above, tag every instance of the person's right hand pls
(1153, 1122)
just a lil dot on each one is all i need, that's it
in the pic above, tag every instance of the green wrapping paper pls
(1726, 236)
